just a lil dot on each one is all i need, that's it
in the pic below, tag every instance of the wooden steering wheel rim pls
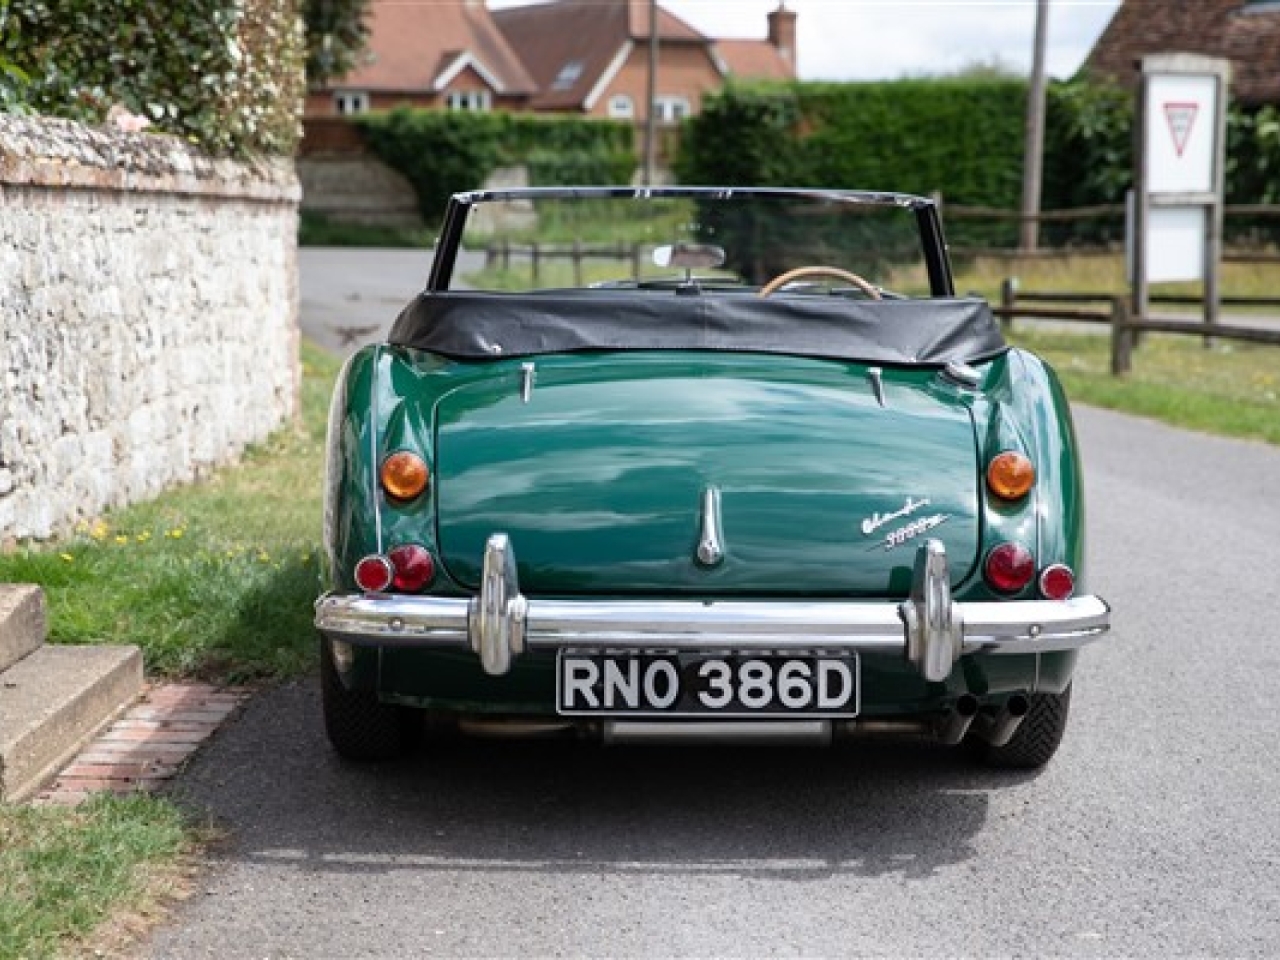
(799, 273)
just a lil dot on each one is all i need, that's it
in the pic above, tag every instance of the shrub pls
(226, 74)
(443, 152)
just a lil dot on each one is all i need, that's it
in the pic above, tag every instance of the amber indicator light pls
(404, 475)
(1010, 476)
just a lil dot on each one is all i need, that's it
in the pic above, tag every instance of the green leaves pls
(226, 74)
(336, 37)
(443, 152)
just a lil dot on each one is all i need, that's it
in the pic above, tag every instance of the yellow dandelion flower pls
(263, 556)
(121, 538)
(143, 537)
(99, 530)
(67, 557)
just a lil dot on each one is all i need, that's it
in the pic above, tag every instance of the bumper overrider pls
(930, 629)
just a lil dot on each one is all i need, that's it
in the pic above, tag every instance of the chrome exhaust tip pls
(956, 724)
(998, 729)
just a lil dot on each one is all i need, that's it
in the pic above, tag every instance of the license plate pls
(685, 685)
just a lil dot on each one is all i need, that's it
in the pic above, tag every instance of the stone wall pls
(148, 317)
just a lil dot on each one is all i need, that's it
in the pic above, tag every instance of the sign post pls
(1176, 228)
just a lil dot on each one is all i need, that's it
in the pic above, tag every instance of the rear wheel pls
(360, 727)
(1037, 738)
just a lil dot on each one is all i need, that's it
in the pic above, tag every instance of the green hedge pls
(961, 137)
(443, 152)
(226, 74)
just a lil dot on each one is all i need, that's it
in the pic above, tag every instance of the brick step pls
(22, 622)
(52, 701)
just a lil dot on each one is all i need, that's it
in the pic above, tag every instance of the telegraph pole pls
(1033, 145)
(651, 94)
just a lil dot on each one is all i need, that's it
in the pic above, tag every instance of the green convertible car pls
(682, 463)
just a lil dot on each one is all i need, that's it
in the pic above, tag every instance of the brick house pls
(592, 57)
(578, 56)
(1246, 32)
(429, 53)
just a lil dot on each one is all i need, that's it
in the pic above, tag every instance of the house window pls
(671, 109)
(468, 100)
(567, 76)
(351, 101)
(622, 107)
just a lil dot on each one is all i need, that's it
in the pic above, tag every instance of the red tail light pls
(1057, 582)
(374, 573)
(414, 567)
(1010, 567)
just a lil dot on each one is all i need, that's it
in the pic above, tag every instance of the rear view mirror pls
(688, 256)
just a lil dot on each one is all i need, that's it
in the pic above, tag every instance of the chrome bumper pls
(930, 629)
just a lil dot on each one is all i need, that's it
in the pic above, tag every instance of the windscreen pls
(728, 242)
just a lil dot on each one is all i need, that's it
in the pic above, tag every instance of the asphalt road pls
(1155, 832)
(352, 296)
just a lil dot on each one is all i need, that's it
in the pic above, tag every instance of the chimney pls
(782, 33)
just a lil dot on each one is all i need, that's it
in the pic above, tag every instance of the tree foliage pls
(443, 152)
(960, 136)
(226, 74)
(337, 32)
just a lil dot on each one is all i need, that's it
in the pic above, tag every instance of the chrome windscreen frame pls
(930, 629)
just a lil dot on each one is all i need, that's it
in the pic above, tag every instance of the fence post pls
(506, 253)
(637, 259)
(1121, 337)
(1008, 296)
(533, 256)
(577, 262)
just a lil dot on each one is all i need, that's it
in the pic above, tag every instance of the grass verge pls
(1228, 389)
(64, 871)
(213, 580)
(315, 230)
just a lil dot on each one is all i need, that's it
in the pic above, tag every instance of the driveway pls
(1154, 833)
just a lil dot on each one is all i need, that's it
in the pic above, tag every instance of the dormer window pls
(567, 76)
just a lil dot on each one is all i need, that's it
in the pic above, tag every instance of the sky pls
(889, 39)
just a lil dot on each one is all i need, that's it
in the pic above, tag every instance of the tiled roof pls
(1246, 34)
(553, 37)
(413, 41)
(754, 59)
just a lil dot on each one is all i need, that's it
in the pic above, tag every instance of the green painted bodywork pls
(598, 479)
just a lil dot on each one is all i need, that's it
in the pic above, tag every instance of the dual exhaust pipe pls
(995, 727)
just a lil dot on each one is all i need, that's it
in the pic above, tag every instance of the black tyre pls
(1037, 738)
(359, 726)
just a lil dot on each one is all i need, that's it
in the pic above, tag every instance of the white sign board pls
(1176, 241)
(1181, 133)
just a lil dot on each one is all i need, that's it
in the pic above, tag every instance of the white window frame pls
(622, 107)
(350, 102)
(475, 100)
(670, 110)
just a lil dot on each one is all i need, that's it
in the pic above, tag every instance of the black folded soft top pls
(468, 325)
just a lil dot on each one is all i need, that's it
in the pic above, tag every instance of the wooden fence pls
(1267, 212)
(577, 253)
(1036, 305)
(1126, 328)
